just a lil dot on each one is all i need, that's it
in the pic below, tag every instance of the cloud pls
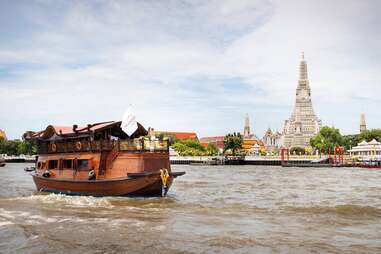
(187, 65)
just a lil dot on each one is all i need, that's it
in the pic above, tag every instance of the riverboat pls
(370, 164)
(101, 160)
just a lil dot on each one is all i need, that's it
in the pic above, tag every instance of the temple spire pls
(362, 123)
(246, 130)
(303, 69)
(303, 123)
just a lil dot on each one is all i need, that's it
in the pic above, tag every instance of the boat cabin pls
(71, 152)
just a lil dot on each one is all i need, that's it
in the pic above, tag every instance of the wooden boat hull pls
(149, 185)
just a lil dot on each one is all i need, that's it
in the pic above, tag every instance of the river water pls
(212, 209)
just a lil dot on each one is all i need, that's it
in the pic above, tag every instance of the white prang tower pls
(362, 123)
(303, 123)
(246, 129)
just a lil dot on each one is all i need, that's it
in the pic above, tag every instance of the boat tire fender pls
(91, 175)
(46, 173)
(78, 145)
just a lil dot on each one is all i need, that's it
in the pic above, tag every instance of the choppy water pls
(224, 209)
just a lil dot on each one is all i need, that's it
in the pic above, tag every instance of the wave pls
(5, 223)
(341, 210)
(76, 201)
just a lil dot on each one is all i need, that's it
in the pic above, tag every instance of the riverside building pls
(303, 123)
(367, 150)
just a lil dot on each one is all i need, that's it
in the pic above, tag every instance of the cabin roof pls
(75, 131)
(80, 129)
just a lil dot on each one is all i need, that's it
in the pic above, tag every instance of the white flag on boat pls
(129, 124)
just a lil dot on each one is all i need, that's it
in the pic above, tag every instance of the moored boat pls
(370, 164)
(101, 160)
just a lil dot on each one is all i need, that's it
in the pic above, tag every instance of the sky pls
(187, 65)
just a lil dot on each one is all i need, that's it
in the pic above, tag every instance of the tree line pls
(17, 147)
(190, 147)
(329, 137)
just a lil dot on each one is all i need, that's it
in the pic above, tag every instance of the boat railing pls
(127, 145)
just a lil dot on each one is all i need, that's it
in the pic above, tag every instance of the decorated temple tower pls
(303, 123)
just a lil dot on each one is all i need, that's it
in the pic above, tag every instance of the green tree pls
(27, 147)
(17, 147)
(212, 150)
(327, 139)
(233, 142)
(368, 135)
(195, 144)
(350, 141)
(189, 147)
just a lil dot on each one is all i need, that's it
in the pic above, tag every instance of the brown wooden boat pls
(101, 160)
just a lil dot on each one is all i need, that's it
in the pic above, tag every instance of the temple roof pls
(2, 135)
(212, 139)
(179, 135)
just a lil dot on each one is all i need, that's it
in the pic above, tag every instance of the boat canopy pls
(97, 131)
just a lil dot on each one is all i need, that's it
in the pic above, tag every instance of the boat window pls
(83, 164)
(53, 164)
(67, 163)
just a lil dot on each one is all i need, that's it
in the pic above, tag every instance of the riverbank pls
(19, 159)
(247, 160)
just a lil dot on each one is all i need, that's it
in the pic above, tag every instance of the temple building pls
(303, 123)
(251, 144)
(218, 141)
(362, 123)
(272, 141)
(3, 136)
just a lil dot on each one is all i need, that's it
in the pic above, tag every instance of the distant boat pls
(101, 160)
